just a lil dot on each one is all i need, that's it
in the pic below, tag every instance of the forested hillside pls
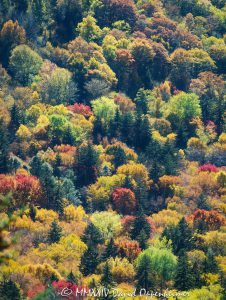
(112, 148)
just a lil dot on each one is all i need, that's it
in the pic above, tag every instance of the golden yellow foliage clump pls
(164, 218)
(73, 213)
(45, 216)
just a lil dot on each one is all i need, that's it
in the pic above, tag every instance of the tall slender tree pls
(89, 260)
(15, 121)
(183, 279)
(180, 235)
(110, 250)
(54, 233)
(86, 163)
(71, 278)
(4, 148)
(143, 274)
(141, 230)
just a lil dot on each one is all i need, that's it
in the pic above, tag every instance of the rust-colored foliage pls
(211, 220)
(128, 248)
(124, 201)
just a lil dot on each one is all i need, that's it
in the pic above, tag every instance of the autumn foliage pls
(25, 188)
(112, 148)
(81, 109)
(208, 168)
(211, 220)
(124, 200)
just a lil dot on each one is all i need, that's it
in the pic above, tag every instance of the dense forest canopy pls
(112, 147)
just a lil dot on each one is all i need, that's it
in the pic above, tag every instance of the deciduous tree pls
(25, 63)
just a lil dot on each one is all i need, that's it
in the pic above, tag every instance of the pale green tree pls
(108, 223)
(104, 108)
(155, 267)
(59, 87)
(25, 63)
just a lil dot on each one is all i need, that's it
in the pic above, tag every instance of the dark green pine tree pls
(170, 158)
(52, 188)
(39, 10)
(69, 192)
(119, 157)
(32, 213)
(170, 233)
(110, 250)
(184, 240)
(14, 121)
(141, 101)
(127, 130)
(184, 279)
(106, 171)
(115, 125)
(36, 164)
(9, 290)
(54, 233)
(107, 282)
(143, 272)
(92, 235)
(201, 202)
(180, 235)
(128, 183)
(140, 223)
(21, 5)
(68, 137)
(14, 164)
(197, 272)
(200, 226)
(56, 165)
(154, 157)
(137, 139)
(4, 148)
(143, 134)
(141, 194)
(141, 230)
(107, 278)
(58, 200)
(86, 163)
(142, 238)
(52, 278)
(156, 170)
(71, 278)
(210, 264)
(89, 260)
(98, 130)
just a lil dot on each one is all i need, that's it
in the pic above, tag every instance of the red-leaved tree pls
(25, 189)
(204, 220)
(208, 168)
(124, 201)
(81, 109)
